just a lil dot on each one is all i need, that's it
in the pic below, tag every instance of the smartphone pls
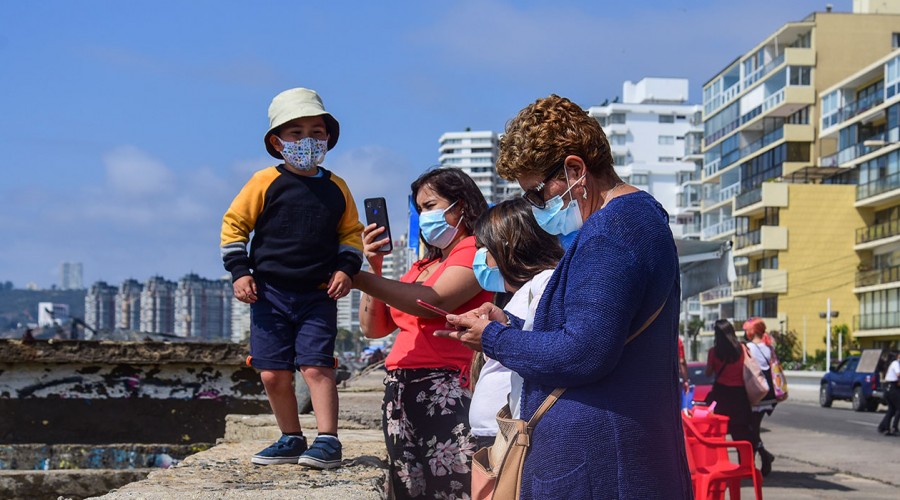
(376, 213)
(432, 308)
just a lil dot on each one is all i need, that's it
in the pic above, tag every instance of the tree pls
(842, 332)
(787, 346)
(345, 340)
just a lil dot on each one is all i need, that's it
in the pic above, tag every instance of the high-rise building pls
(158, 306)
(860, 130)
(762, 187)
(240, 320)
(475, 153)
(203, 308)
(71, 276)
(128, 305)
(100, 306)
(648, 133)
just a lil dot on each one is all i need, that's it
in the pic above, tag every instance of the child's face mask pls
(305, 154)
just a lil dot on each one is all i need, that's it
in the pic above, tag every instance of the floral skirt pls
(425, 416)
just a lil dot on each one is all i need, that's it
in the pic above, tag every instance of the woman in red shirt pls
(427, 396)
(726, 362)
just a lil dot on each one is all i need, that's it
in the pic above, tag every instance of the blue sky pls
(126, 128)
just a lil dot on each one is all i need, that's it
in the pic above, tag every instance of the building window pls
(799, 117)
(619, 160)
(617, 139)
(640, 179)
(799, 75)
(681, 118)
(895, 40)
(617, 118)
(666, 159)
(666, 140)
(666, 119)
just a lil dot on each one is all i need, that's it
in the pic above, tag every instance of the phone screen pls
(376, 213)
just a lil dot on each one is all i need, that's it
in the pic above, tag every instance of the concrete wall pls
(820, 260)
(123, 392)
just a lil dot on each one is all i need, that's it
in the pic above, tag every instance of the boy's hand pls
(339, 285)
(245, 289)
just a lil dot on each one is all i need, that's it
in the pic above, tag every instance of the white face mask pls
(305, 154)
(555, 219)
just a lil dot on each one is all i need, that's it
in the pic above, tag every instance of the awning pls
(704, 265)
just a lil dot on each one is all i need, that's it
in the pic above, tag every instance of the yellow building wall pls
(820, 260)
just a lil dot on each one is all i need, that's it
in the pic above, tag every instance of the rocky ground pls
(225, 471)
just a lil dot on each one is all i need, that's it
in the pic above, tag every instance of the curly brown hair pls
(545, 132)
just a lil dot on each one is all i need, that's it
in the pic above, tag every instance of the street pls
(827, 452)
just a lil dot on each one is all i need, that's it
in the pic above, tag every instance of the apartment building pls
(763, 187)
(158, 306)
(860, 130)
(100, 306)
(475, 153)
(203, 308)
(649, 132)
(128, 305)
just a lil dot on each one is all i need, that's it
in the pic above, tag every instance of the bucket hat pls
(299, 103)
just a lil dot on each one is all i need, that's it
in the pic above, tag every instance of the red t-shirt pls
(416, 346)
(732, 375)
(680, 349)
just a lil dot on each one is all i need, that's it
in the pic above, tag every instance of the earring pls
(584, 194)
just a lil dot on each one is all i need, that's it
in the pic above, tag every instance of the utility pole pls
(827, 315)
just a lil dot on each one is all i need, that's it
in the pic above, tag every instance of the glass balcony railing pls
(718, 228)
(729, 192)
(763, 71)
(712, 167)
(748, 198)
(876, 321)
(878, 186)
(718, 293)
(880, 276)
(852, 109)
(747, 239)
(879, 231)
(747, 281)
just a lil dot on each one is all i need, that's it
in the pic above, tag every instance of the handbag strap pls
(550, 400)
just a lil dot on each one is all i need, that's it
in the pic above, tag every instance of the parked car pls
(702, 383)
(853, 381)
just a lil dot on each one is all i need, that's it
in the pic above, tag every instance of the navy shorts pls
(292, 329)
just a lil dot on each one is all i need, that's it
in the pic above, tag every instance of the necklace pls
(610, 192)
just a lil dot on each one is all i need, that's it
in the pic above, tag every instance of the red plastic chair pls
(712, 471)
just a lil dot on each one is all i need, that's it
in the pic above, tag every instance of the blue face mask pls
(435, 229)
(554, 218)
(488, 277)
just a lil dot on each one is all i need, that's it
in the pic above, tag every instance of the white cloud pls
(130, 171)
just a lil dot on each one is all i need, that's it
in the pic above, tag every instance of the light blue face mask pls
(435, 229)
(555, 219)
(488, 277)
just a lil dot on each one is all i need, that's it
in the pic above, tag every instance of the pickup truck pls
(856, 379)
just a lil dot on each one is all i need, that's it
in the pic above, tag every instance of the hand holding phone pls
(376, 213)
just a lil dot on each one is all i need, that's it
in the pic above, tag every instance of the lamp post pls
(827, 315)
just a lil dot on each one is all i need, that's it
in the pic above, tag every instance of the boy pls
(306, 246)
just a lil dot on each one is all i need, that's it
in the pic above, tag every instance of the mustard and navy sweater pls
(304, 229)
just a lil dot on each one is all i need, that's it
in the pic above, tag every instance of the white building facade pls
(128, 305)
(475, 153)
(100, 306)
(649, 133)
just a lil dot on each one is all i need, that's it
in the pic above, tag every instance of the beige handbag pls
(497, 469)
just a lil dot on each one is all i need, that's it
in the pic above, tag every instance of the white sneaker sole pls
(274, 460)
(315, 463)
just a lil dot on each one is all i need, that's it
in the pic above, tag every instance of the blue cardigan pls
(616, 432)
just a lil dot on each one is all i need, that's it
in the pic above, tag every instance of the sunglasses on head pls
(534, 196)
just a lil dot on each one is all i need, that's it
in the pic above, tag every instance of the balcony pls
(876, 321)
(719, 229)
(852, 109)
(765, 238)
(762, 72)
(718, 294)
(875, 277)
(877, 187)
(762, 281)
(712, 168)
(768, 195)
(876, 232)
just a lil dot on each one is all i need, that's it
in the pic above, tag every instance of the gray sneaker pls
(287, 450)
(325, 453)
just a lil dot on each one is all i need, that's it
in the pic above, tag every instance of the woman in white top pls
(514, 255)
(892, 395)
(755, 330)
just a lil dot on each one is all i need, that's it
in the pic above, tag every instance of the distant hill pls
(21, 306)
